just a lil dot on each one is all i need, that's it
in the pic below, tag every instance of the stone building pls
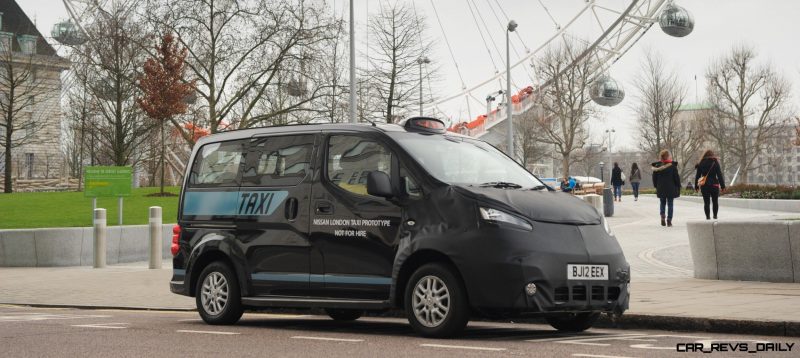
(23, 48)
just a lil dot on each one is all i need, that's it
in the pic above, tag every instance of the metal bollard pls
(608, 202)
(100, 233)
(155, 237)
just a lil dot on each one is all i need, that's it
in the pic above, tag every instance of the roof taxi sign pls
(425, 124)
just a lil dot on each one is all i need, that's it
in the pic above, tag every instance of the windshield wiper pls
(539, 187)
(501, 184)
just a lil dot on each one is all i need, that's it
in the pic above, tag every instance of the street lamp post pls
(352, 65)
(422, 60)
(610, 159)
(512, 25)
(602, 170)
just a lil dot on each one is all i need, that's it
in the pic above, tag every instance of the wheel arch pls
(415, 261)
(205, 258)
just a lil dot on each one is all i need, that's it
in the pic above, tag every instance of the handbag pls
(702, 180)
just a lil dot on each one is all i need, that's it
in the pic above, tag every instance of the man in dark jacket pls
(667, 183)
(709, 168)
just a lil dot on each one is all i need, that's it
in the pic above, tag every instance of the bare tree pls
(112, 59)
(20, 91)
(397, 42)
(529, 138)
(751, 102)
(565, 102)
(243, 52)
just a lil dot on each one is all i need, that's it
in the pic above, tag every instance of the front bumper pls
(496, 273)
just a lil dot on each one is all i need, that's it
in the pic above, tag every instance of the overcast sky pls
(768, 25)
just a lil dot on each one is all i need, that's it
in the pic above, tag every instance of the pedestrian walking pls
(708, 180)
(668, 185)
(636, 179)
(617, 181)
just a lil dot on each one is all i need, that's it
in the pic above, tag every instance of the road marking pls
(30, 317)
(328, 339)
(206, 332)
(597, 356)
(463, 347)
(570, 337)
(101, 325)
(190, 320)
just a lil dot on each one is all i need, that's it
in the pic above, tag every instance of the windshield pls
(456, 160)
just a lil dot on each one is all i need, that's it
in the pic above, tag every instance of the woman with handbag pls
(708, 180)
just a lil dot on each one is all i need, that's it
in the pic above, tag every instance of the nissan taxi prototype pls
(368, 217)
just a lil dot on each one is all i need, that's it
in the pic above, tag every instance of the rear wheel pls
(344, 314)
(573, 322)
(218, 297)
(436, 301)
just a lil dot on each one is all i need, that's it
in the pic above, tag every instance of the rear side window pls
(351, 158)
(217, 164)
(278, 161)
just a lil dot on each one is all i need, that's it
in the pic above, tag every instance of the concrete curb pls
(626, 321)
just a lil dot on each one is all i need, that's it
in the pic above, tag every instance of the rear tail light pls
(176, 236)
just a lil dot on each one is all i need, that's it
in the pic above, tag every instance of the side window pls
(217, 164)
(409, 184)
(278, 161)
(351, 158)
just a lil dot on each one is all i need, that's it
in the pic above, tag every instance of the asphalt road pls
(43, 332)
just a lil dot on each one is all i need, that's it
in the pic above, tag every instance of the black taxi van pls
(358, 217)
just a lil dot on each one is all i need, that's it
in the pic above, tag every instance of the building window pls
(5, 41)
(27, 44)
(29, 164)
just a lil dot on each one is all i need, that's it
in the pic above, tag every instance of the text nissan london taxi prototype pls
(358, 217)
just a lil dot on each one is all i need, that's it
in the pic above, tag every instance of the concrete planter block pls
(134, 244)
(19, 248)
(58, 247)
(703, 249)
(2, 251)
(166, 240)
(112, 244)
(87, 248)
(753, 251)
(794, 242)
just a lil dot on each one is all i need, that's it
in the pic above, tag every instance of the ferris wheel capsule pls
(676, 21)
(67, 33)
(605, 91)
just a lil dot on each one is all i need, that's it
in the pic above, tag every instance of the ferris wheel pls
(609, 29)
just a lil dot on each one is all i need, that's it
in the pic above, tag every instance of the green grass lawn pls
(67, 209)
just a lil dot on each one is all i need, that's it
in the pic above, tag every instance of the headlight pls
(605, 225)
(502, 217)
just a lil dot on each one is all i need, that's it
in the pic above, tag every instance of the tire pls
(573, 322)
(439, 289)
(344, 314)
(216, 280)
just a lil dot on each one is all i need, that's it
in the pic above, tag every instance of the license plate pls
(587, 272)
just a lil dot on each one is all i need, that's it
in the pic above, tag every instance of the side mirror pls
(379, 184)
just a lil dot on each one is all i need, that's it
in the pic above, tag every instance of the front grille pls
(561, 294)
(598, 293)
(579, 293)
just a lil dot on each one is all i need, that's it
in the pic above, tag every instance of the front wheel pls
(573, 322)
(436, 301)
(218, 297)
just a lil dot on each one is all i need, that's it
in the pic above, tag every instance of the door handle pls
(324, 207)
(290, 209)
